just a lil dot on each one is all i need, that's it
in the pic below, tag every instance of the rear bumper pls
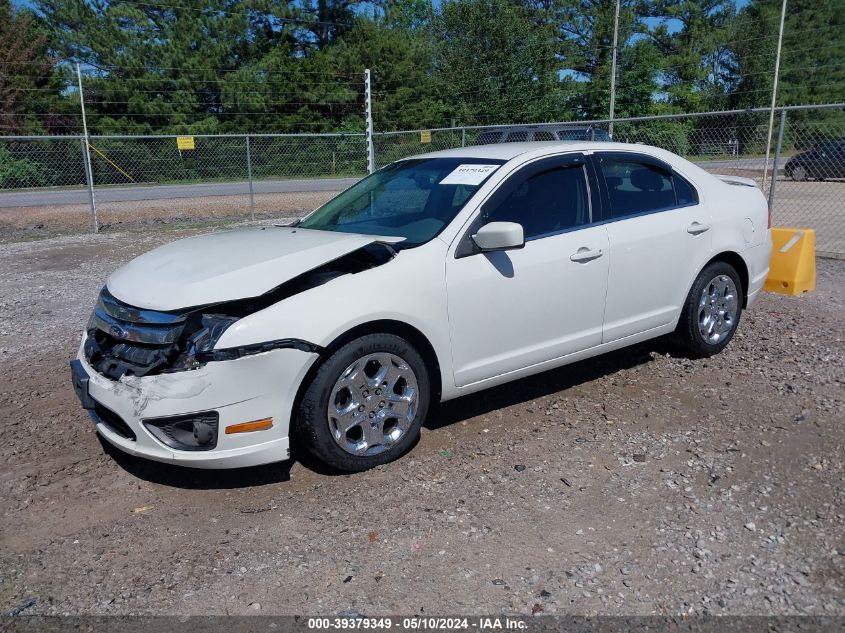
(757, 260)
(243, 390)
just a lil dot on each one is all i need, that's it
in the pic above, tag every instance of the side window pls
(547, 202)
(636, 187)
(543, 135)
(517, 137)
(684, 192)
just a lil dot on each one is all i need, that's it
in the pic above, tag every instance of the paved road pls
(50, 197)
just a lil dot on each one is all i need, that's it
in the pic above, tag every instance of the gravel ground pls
(637, 483)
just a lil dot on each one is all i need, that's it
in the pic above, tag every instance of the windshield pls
(414, 199)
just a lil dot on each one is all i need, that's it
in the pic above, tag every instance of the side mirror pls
(499, 236)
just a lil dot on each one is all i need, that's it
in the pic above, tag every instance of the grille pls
(123, 339)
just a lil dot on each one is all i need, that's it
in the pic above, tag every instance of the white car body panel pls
(500, 304)
(250, 388)
(652, 264)
(228, 265)
(488, 318)
(346, 302)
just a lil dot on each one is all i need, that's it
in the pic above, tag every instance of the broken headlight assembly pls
(199, 345)
(125, 340)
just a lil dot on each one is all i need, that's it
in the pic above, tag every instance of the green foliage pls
(493, 63)
(668, 134)
(694, 56)
(812, 66)
(16, 173)
(30, 84)
(218, 66)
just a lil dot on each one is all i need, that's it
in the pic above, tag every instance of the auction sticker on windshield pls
(469, 174)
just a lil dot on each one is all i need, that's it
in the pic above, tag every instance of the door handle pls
(696, 228)
(584, 254)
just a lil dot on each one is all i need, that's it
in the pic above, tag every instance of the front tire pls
(712, 310)
(799, 173)
(366, 404)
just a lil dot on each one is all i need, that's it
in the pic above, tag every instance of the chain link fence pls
(804, 175)
(165, 178)
(170, 178)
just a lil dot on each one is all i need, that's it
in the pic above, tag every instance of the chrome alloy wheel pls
(717, 309)
(373, 404)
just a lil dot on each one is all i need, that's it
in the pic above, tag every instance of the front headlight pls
(212, 328)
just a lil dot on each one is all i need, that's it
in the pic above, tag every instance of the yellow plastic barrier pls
(792, 267)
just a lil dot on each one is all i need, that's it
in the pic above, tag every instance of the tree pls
(398, 50)
(813, 55)
(494, 64)
(202, 66)
(691, 38)
(30, 84)
(584, 31)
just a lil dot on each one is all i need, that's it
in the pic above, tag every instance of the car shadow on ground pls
(196, 478)
(470, 406)
(549, 382)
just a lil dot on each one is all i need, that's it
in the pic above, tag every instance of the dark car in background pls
(825, 160)
(522, 133)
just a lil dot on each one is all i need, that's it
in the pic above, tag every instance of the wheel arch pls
(380, 326)
(735, 260)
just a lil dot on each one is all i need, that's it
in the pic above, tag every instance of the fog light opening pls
(195, 432)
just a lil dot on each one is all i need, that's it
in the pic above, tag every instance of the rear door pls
(659, 235)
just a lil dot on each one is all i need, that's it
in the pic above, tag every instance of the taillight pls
(770, 217)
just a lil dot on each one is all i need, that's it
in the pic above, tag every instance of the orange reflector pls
(246, 427)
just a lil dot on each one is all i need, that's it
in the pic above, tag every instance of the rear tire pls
(711, 313)
(366, 404)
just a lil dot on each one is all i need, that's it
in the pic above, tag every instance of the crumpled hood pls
(229, 265)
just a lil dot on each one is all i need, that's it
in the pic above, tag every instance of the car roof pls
(508, 151)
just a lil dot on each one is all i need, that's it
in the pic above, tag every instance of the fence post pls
(86, 156)
(368, 111)
(463, 137)
(774, 179)
(613, 70)
(249, 177)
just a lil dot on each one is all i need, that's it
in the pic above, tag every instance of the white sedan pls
(437, 276)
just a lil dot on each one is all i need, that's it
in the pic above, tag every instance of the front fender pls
(410, 288)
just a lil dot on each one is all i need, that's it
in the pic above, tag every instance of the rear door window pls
(640, 185)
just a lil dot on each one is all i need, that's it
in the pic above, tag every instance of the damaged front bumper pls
(238, 391)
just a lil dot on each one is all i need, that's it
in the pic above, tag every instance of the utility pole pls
(89, 175)
(613, 68)
(774, 95)
(371, 158)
